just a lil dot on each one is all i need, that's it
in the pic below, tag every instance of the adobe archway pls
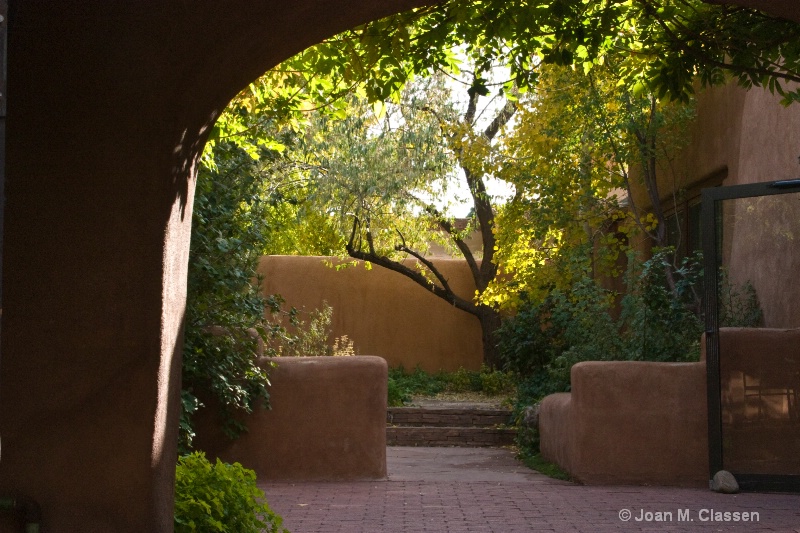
(108, 105)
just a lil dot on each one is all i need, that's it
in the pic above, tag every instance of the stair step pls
(438, 417)
(449, 436)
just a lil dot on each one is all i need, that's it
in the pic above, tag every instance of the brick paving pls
(484, 490)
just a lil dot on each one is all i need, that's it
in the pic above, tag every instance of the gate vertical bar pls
(3, 102)
(710, 269)
(3, 106)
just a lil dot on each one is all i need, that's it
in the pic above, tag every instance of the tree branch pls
(503, 116)
(417, 277)
(460, 244)
(428, 264)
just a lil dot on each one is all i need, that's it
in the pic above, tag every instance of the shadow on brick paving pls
(486, 490)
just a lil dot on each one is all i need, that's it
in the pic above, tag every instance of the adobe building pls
(109, 104)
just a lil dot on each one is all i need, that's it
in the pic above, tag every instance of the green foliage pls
(228, 230)
(570, 159)
(376, 171)
(576, 325)
(397, 395)
(533, 387)
(589, 331)
(311, 335)
(486, 380)
(496, 382)
(569, 325)
(546, 338)
(530, 390)
(463, 380)
(371, 167)
(403, 385)
(662, 324)
(220, 497)
(240, 212)
(738, 306)
(662, 44)
(657, 323)
(534, 461)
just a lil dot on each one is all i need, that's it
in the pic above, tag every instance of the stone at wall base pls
(531, 416)
(724, 483)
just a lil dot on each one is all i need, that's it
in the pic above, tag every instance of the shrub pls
(398, 396)
(738, 306)
(496, 382)
(403, 385)
(311, 338)
(220, 497)
(462, 380)
(662, 323)
(658, 322)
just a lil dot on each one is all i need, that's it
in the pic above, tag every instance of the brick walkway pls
(484, 490)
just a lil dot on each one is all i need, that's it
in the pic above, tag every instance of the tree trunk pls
(490, 322)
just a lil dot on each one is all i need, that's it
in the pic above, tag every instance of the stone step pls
(446, 417)
(449, 436)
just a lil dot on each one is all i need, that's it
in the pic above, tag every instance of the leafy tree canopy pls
(660, 47)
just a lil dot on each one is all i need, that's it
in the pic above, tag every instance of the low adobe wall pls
(327, 422)
(383, 312)
(628, 422)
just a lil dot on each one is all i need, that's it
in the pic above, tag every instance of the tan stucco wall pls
(628, 422)
(109, 105)
(384, 313)
(747, 137)
(764, 233)
(327, 422)
(646, 423)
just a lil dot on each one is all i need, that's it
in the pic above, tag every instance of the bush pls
(462, 380)
(658, 322)
(220, 497)
(398, 396)
(403, 385)
(662, 323)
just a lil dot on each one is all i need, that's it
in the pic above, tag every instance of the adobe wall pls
(109, 105)
(747, 137)
(383, 312)
(628, 422)
(764, 233)
(327, 422)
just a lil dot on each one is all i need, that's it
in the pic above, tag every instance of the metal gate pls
(751, 235)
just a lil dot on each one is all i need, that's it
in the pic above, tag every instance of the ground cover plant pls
(405, 385)
(220, 497)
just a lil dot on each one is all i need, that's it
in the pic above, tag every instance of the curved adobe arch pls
(108, 102)
(108, 106)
